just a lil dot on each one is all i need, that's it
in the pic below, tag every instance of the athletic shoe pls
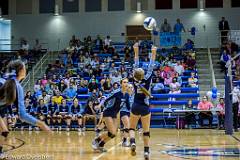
(95, 144)
(79, 129)
(133, 149)
(59, 128)
(67, 129)
(84, 129)
(125, 144)
(146, 155)
(30, 128)
(102, 149)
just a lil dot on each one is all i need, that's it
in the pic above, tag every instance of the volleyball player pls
(140, 108)
(113, 103)
(11, 92)
(124, 116)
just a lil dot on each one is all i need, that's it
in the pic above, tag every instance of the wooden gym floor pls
(169, 144)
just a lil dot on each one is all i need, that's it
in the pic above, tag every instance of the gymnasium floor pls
(169, 144)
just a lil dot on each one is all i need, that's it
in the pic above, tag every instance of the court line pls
(109, 150)
(234, 137)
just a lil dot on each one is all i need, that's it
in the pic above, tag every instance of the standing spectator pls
(235, 103)
(223, 27)
(166, 27)
(92, 85)
(178, 27)
(107, 42)
(221, 107)
(225, 57)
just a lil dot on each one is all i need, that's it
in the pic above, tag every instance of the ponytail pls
(8, 91)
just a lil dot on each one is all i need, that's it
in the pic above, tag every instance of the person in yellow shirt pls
(58, 98)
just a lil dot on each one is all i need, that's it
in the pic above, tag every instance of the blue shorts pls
(124, 113)
(140, 109)
(110, 113)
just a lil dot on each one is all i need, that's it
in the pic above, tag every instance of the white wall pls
(52, 29)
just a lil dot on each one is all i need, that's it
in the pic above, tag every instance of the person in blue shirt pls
(178, 27)
(140, 108)
(11, 92)
(70, 92)
(42, 110)
(52, 113)
(112, 105)
(64, 113)
(76, 110)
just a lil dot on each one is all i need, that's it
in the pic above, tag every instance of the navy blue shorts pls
(110, 113)
(124, 113)
(140, 109)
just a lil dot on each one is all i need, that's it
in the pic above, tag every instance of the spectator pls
(89, 113)
(225, 57)
(224, 28)
(99, 43)
(37, 47)
(45, 97)
(174, 88)
(25, 45)
(42, 110)
(166, 27)
(221, 113)
(179, 68)
(58, 98)
(92, 85)
(167, 80)
(189, 45)
(158, 87)
(190, 63)
(179, 79)
(62, 86)
(178, 27)
(205, 105)
(235, 105)
(107, 41)
(64, 114)
(77, 110)
(192, 81)
(70, 92)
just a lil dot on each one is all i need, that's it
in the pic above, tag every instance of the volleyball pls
(149, 23)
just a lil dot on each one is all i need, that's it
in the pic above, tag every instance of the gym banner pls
(169, 39)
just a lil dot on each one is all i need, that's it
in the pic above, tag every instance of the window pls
(163, 4)
(46, 6)
(185, 4)
(93, 5)
(235, 3)
(114, 5)
(24, 7)
(70, 5)
(144, 4)
(214, 3)
(4, 6)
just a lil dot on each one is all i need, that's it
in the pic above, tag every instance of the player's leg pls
(126, 124)
(146, 133)
(133, 123)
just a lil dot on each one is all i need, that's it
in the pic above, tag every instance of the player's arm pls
(136, 55)
(152, 62)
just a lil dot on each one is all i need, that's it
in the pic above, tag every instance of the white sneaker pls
(67, 129)
(95, 144)
(79, 129)
(133, 149)
(125, 144)
(84, 129)
(59, 128)
(146, 155)
(30, 128)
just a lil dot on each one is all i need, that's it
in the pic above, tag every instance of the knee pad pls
(111, 135)
(131, 129)
(126, 130)
(5, 134)
(146, 134)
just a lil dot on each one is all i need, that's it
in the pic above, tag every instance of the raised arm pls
(136, 55)
(151, 64)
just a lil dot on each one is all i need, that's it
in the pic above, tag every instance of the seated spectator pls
(205, 105)
(174, 88)
(179, 79)
(106, 84)
(42, 110)
(58, 98)
(44, 81)
(64, 114)
(99, 43)
(32, 99)
(115, 86)
(76, 111)
(179, 68)
(70, 92)
(192, 81)
(52, 113)
(167, 80)
(92, 85)
(37, 46)
(116, 77)
(221, 114)
(190, 63)
(45, 97)
(189, 45)
(158, 87)
(62, 86)
(190, 117)
(37, 86)
(89, 113)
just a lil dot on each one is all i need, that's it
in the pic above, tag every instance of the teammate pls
(113, 103)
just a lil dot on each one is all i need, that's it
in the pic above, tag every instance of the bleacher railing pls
(213, 79)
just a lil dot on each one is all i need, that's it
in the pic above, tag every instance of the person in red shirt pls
(205, 105)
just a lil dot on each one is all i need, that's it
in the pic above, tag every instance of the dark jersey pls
(42, 109)
(52, 108)
(76, 110)
(64, 108)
